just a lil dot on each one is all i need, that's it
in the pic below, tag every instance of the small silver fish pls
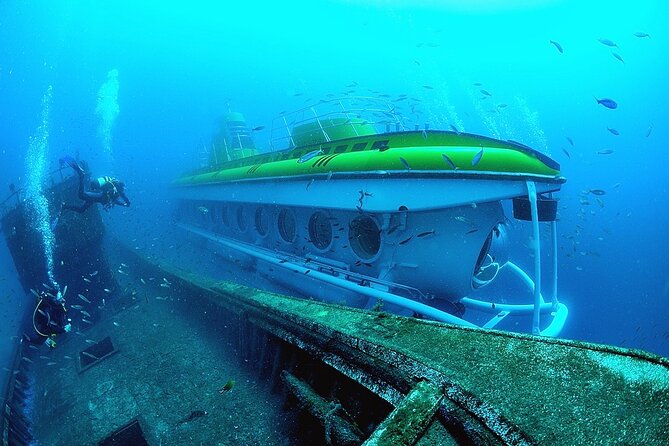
(405, 164)
(617, 56)
(449, 161)
(613, 131)
(107, 290)
(77, 307)
(648, 132)
(51, 363)
(116, 324)
(597, 191)
(82, 297)
(477, 158)
(607, 42)
(94, 273)
(605, 152)
(557, 46)
(143, 281)
(87, 321)
(85, 313)
(641, 35)
(307, 156)
(454, 128)
(87, 280)
(89, 355)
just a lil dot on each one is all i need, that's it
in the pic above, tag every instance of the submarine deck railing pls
(344, 107)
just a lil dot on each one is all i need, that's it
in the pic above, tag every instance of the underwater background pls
(138, 90)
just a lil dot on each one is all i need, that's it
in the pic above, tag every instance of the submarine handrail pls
(345, 106)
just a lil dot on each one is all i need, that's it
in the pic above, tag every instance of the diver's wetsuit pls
(50, 318)
(108, 196)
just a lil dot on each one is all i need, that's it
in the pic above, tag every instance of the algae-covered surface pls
(556, 391)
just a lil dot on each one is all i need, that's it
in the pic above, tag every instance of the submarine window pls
(364, 236)
(241, 218)
(262, 221)
(380, 145)
(358, 147)
(340, 149)
(320, 230)
(286, 223)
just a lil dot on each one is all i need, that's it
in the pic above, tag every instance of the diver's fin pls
(67, 159)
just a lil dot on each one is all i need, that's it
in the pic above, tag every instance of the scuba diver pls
(104, 190)
(49, 319)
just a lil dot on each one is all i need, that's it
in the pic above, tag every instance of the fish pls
(566, 153)
(228, 386)
(26, 359)
(165, 285)
(85, 313)
(449, 161)
(502, 105)
(107, 290)
(405, 164)
(557, 46)
(649, 131)
(477, 158)
(571, 143)
(51, 363)
(405, 241)
(614, 131)
(605, 152)
(597, 191)
(90, 355)
(116, 324)
(307, 156)
(87, 280)
(607, 42)
(87, 321)
(82, 297)
(617, 56)
(257, 129)
(608, 103)
(471, 231)
(77, 307)
(203, 210)
(454, 128)
(425, 234)
(89, 341)
(429, 87)
(485, 92)
(641, 35)
(193, 415)
(143, 281)
(477, 84)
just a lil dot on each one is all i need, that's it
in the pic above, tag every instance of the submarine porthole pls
(262, 221)
(286, 225)
(242, 222)
(364, 236)
(320, 230)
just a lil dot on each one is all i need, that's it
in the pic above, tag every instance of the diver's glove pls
(67, 328)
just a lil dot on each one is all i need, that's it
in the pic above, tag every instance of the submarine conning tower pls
(233, 141)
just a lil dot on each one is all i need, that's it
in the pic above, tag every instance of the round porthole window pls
(241, 218)
(262, 221)
(320, 230)
(286, 223)
(364, 236)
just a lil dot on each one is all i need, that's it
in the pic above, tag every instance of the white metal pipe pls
(532, 194)
(409, 304)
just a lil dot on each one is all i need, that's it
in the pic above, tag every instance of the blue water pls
(137, 89)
